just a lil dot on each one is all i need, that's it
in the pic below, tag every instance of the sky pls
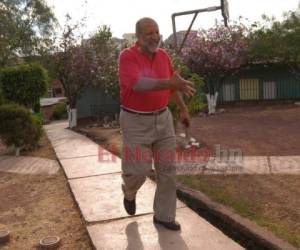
(121, 16)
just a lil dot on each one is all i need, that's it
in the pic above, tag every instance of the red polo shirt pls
(134, 64)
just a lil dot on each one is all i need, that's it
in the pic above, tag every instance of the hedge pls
(24, 84)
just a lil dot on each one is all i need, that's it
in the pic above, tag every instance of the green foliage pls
(196, 104)
(1, 92)
(18, 126)
(47, 62)
(60, 111)
(103, 34)
(277, 41)
(24, 84)
(37, 107)
(39, 116)
(26, 28)
(1, 96)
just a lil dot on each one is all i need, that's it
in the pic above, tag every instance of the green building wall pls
(94, 102)
(286, 85)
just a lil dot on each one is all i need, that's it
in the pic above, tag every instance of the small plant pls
(60, 111)
(19, 127)
(39, 116)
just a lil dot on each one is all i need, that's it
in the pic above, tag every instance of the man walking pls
(147, 81)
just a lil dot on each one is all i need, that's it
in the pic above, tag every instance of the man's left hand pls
(185, 118)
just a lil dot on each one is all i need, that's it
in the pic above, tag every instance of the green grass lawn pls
(272, 201)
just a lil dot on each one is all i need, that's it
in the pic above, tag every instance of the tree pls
(278, 42)
(214, 54)
(82, 62)
(107, 74)
(26, 28)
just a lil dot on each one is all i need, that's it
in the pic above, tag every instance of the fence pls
(100, 111)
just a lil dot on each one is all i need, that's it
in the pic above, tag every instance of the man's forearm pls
(146, 84)
(176, 82)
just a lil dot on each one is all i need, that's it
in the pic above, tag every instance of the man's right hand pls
(182, 85)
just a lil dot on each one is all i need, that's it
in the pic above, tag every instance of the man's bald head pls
(147, 34)
(140, 24)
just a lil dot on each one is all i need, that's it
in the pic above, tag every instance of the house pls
(170, 41)
(129, 38)
(260, 82)
(56, 89)
(48, 106)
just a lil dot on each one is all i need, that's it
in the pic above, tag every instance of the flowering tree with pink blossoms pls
(214, 54)
(80, 63)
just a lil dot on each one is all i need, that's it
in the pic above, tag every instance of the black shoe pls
(173, 225)
(129, 206)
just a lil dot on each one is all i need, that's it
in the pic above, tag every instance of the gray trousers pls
(148, 140)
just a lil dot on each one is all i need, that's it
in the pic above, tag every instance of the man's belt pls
(157, 112)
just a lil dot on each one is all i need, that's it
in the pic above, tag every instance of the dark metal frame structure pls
(225, 13)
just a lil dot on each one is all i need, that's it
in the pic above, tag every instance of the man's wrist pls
(183, 108)
(168, 84)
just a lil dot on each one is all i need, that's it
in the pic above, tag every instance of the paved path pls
(97, 189)
(28, 165)
(244, 165)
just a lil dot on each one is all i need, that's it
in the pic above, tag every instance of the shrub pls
(37, 107)
(24, 84)
(1, 97)
(19, 127)
(39, 116)
(1, 92)
(60, 111)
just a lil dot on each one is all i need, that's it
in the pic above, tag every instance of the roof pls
(50, 101)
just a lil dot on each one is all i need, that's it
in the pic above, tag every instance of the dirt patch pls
(109, 138)
(35, 206)
(259, 130)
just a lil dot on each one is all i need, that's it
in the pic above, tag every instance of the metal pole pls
(188, 31)
(225, 14)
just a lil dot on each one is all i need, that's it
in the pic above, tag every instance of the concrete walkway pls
(28, 165)
(243, 165)
(97, 189)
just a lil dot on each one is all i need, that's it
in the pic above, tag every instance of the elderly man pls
(147, 81)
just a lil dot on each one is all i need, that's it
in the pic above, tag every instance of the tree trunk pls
(212, 103)
(72, 111)
(18, 149)
(72, 117)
